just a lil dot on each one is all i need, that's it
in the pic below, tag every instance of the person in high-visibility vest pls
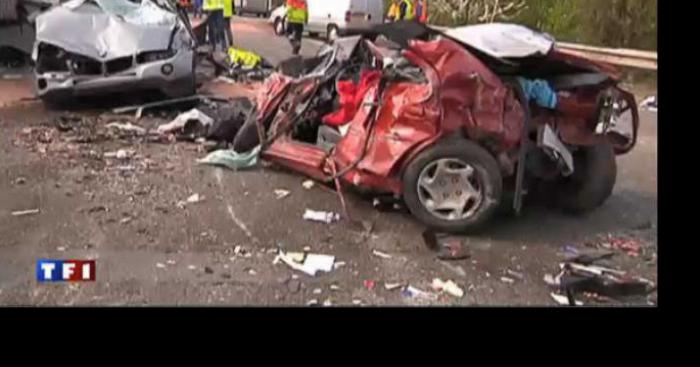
(215, 23)
(297, 17)
(422, 11)
(393, 14)
(229, 9)
(406, 11)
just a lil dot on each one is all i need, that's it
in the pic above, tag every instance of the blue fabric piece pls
(540, 91)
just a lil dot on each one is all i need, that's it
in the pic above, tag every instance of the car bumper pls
(148, 76)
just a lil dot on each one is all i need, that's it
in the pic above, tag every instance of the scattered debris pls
(319, 216)
(127, 127)
(563, 300)
(308, 184)
(449, 287)
(22, 213)
(120, 154)
(369, 284)
(515, 274)
(588, 279)
(181, 121)
(650, 104)
(630, 247)
(448, 249)
(381, 254)
(392, 286)
(281, 194)
(413, 292)
(310, 264)
(231, 159)
(192, 199)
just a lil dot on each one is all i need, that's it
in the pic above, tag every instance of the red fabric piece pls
(351, 96)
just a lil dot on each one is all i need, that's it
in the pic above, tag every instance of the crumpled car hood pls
(107, 29)
(503, 40)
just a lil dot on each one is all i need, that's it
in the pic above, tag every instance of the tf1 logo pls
(65, 271)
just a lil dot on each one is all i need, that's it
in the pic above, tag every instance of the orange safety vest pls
(297, 11)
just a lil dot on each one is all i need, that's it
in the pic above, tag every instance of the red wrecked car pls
(450, 122)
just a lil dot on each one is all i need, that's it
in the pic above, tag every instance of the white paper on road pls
(313, 263)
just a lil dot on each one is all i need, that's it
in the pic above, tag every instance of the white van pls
(257, 7)
(331, 17)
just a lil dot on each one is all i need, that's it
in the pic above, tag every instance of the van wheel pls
(455, 186)
(280, 26)
(593, 180)
(333, 33)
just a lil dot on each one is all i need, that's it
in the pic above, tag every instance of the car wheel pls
(455, 186)
(593, 180)
(333, 33)
(279, 26)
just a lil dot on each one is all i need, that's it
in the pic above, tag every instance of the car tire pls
(333, 33)
(485, 174)
(593, 180)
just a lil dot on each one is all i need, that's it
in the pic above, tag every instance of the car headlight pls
(152, 56)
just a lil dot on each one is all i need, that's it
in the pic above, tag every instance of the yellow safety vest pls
(393, 13)
(242, 57)
(228, 8)
(297, 11)
(410, 12)
(212, 5)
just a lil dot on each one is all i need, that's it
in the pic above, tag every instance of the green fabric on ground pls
(231, 159)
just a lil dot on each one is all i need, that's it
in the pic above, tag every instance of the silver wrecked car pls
(87, 47)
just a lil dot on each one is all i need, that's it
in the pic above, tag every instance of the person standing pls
(422, 11)
(215, 23)
(229, 9)
(197, 11)
(406, 11)
(297, 17)
(393, 14)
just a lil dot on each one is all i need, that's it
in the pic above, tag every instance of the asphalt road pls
(149, 251)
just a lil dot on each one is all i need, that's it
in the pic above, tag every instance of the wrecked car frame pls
(445, 124)
(85, 47)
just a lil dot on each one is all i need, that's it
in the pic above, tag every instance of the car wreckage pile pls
(449, 122)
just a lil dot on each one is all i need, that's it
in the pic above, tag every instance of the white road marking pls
(229, 207)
